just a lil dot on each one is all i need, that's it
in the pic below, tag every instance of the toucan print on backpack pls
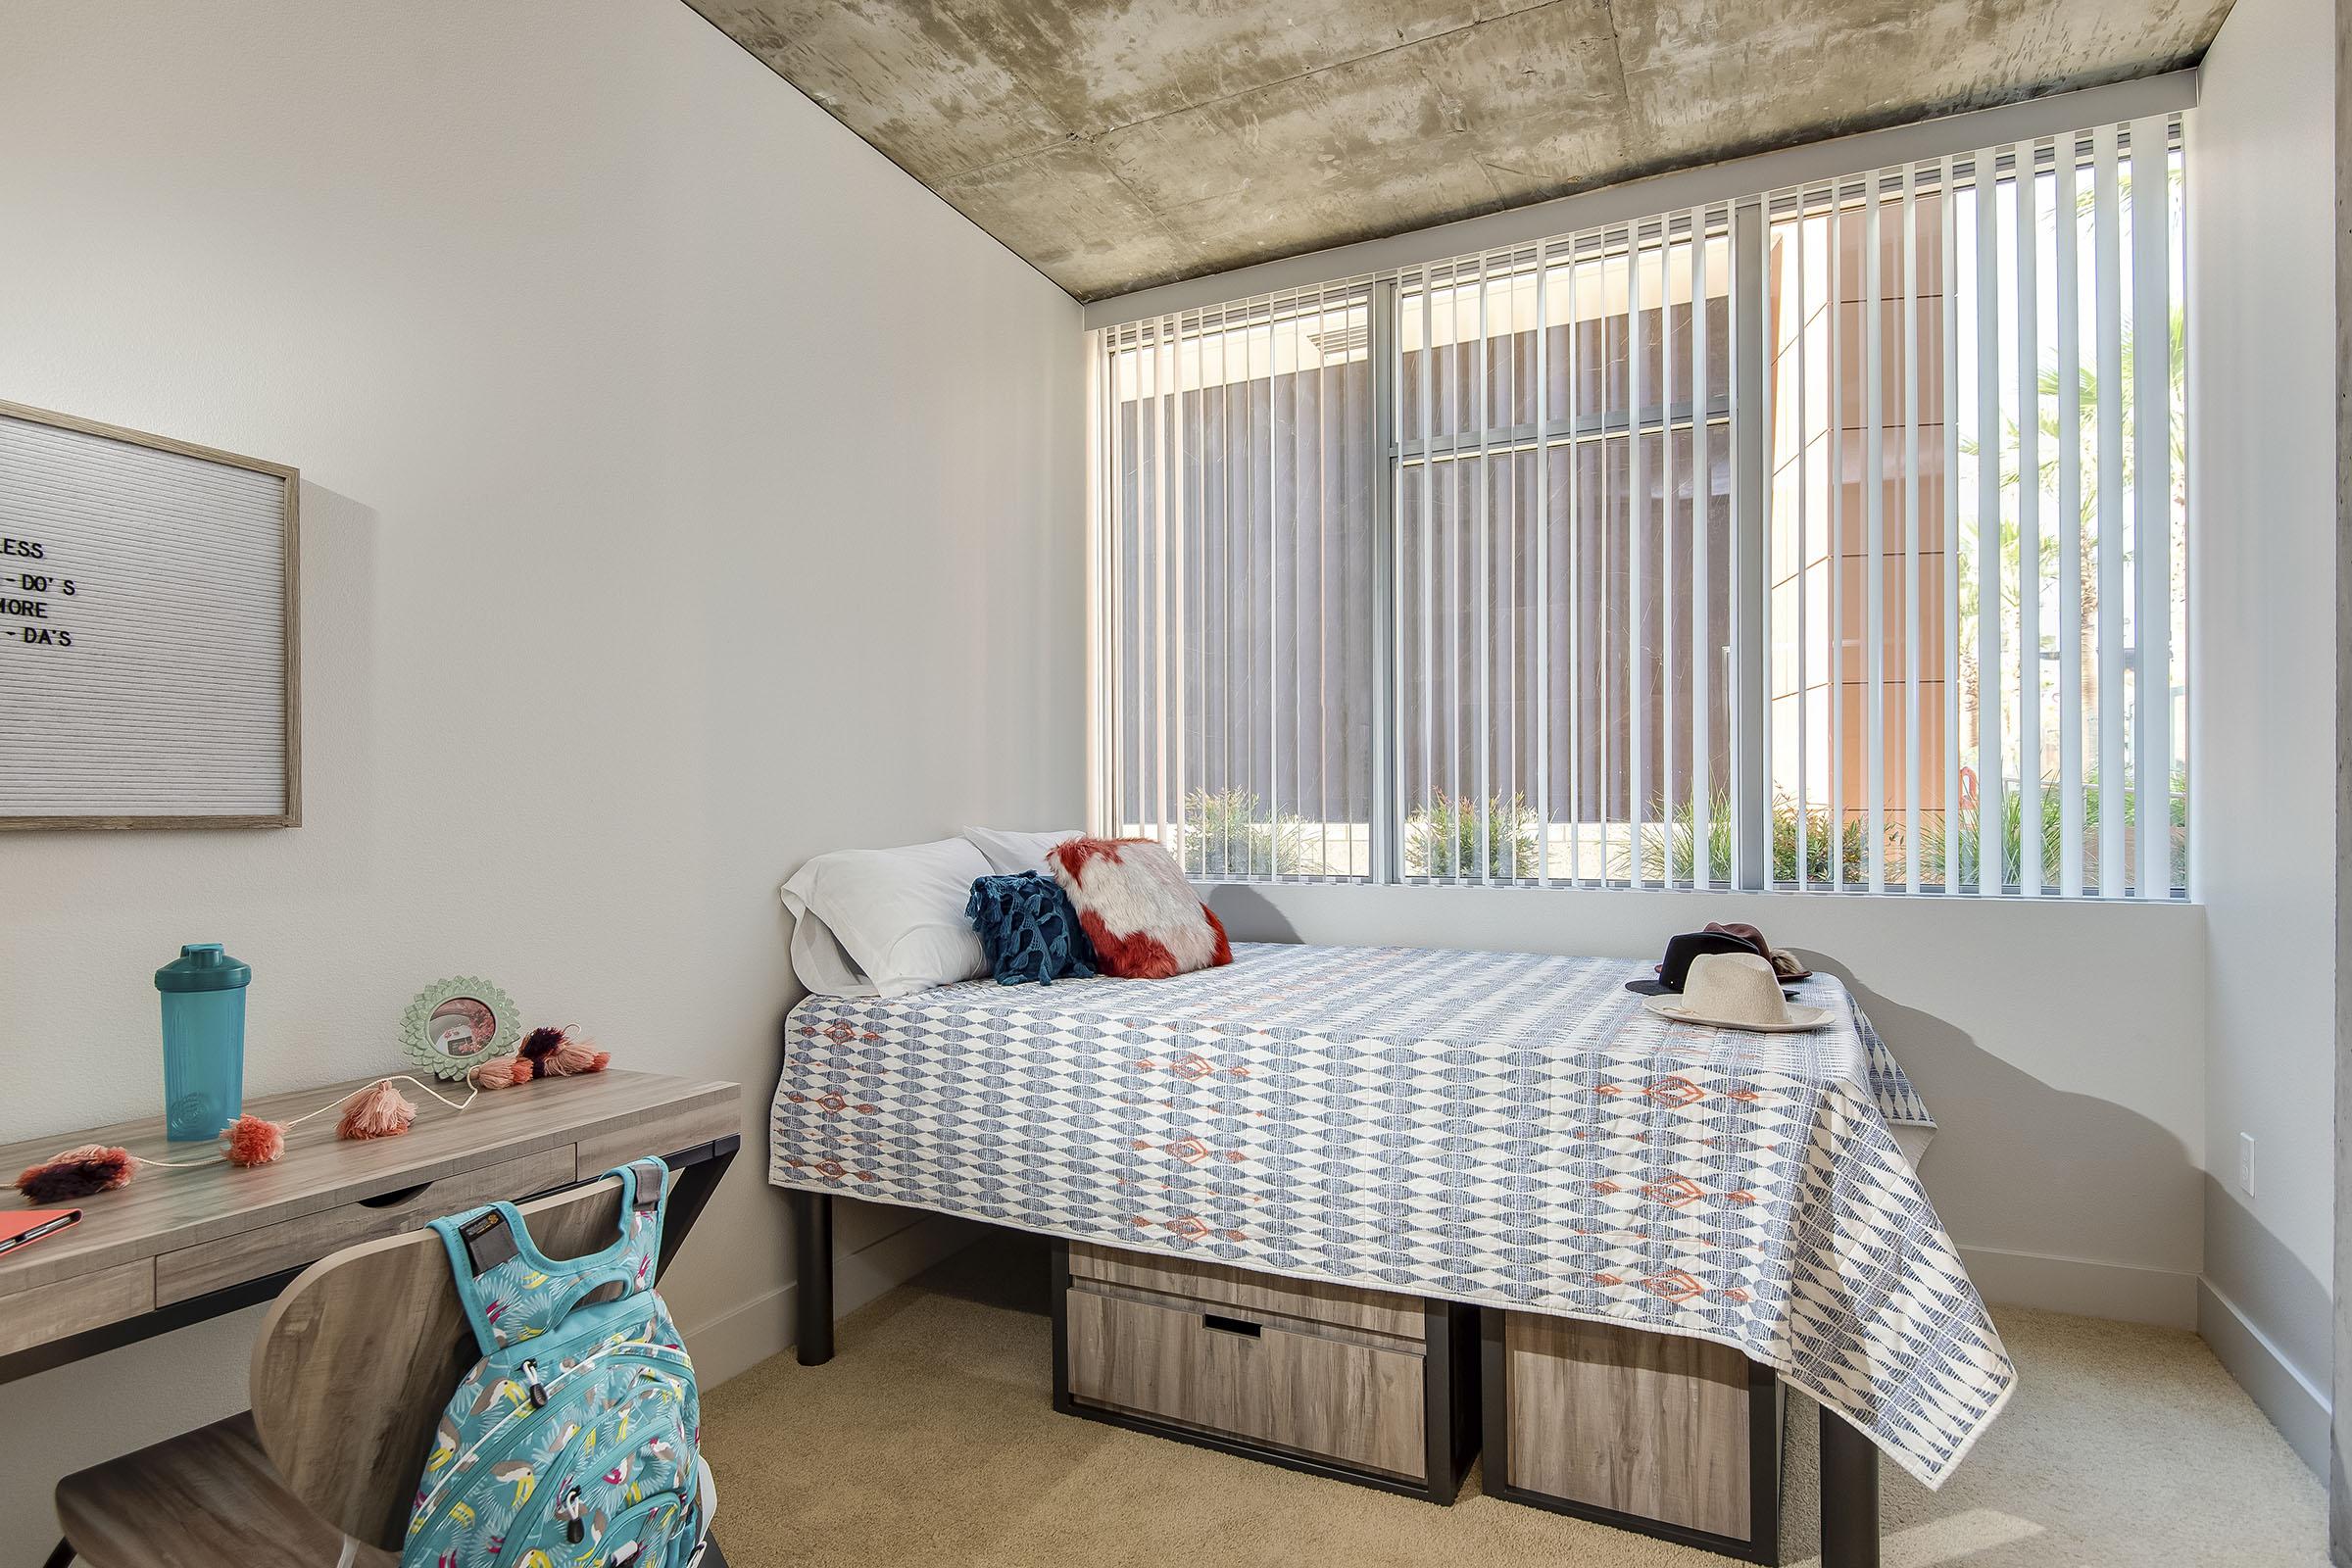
(573, 1442)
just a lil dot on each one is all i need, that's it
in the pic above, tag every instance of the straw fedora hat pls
(1735, 991)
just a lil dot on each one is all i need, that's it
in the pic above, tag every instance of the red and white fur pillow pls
(1144, 918)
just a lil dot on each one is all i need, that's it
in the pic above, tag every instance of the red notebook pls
(23, 1226)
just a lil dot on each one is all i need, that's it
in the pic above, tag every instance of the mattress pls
(1509, 1130)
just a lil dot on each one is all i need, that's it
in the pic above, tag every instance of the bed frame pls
(1849, 1461)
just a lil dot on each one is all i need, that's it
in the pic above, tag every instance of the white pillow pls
(1010, 853)
(897, 913)
(819, 960)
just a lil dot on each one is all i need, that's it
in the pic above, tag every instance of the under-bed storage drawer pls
(1388, 1312)
(1368, 1385)
(1660, 1433)
(1283, 1384)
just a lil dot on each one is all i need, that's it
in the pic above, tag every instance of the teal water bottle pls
(204, 1041)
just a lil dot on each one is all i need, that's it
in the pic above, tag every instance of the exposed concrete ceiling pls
(1121, 143)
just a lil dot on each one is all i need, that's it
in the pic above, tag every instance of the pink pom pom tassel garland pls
(378, 1111)
(251, 1141)
(76, 1173)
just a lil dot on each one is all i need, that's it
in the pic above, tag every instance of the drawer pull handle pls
(1230, 1325)
(394, 1199)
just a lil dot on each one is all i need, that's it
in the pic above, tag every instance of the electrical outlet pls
(2245, 1163)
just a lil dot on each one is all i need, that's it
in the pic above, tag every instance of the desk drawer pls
(1307, 1300)
(671, 1130)
(66, 1307)
(193, 1272)
(1354, 1401)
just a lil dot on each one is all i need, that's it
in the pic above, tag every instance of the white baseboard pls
(2296, 1407)
(2084, 1287)
(741, 1339)
(2129, 1294)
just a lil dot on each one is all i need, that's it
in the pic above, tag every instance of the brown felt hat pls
(1785, 963)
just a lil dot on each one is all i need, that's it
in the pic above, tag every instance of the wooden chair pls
(351, 1370)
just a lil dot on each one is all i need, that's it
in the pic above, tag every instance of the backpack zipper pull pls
(573, 1507)
(530, 1376)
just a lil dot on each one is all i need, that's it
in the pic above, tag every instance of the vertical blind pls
(1239, 458)
(1832, 538)
(1978, 522)
(1562, 531)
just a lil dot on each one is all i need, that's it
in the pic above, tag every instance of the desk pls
(177, 1246)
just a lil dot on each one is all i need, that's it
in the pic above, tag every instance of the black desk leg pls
(694, 1176)
(812, 1251)
(1849, 1494)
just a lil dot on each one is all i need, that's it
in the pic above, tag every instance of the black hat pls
(1675, 968)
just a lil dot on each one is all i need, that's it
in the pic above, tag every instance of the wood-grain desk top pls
(565, 1127)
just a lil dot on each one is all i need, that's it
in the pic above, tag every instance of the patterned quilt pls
(1503, 1129)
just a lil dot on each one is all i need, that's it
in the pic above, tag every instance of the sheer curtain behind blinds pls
(1831, 538)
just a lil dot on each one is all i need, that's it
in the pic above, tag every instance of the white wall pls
(2059, 1045)
(2262, 378)
(718, 485)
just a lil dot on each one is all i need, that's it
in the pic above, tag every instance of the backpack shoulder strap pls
(512, 1291)
(644, 1201)
(477, 1242)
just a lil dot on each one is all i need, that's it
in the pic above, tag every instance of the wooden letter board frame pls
(290, 480)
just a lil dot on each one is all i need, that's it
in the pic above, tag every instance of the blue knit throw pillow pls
(1028, 929)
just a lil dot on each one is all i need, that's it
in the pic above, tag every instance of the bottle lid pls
(202, 966)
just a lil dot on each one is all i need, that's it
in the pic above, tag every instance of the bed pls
(1505, 1129)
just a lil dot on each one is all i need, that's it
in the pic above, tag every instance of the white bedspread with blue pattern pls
(1504, 1129)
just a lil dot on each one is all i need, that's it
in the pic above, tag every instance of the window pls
(1831, 538)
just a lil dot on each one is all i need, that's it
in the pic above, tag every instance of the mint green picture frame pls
(455, 1025)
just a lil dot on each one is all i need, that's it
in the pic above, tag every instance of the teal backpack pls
(573, 1442)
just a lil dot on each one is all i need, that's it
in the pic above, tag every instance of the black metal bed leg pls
(812, 1251)
(1849, 1494)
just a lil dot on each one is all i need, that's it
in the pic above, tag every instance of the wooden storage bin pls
(1366, 1386)
(1672, 1437)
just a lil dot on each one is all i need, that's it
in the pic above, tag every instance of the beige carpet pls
(928, 1441)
